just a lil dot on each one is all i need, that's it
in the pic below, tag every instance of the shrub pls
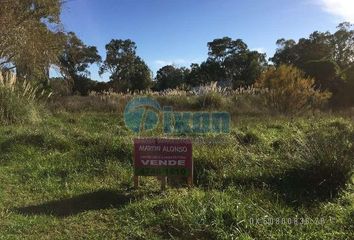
(17, 100)
(290, 91)
(324, 162)
(60, 87)
(95, 102)
(211, 100)
(330, 156)
(179, 103)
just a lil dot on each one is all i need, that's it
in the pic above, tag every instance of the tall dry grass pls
(18, 100)
(250, 101)
(206, 97)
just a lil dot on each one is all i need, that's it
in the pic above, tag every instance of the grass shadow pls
(99, 200)
(34, 140)
(298, 187)
(293, 187)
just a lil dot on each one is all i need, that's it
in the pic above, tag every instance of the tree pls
(205, 73)
(30, 38)
(170, 77)
(243, 69)
(240, 65)
(337, 48)
(326, 73)
(74, 62)
(316, 47)
(128, 71)
(195, 77)
(285, 53)
(342, 42)
(221, 48)
(323, 56)
(139, 75)
(345, 96)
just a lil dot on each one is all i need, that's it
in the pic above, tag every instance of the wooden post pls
(190, 181)
(190, 178)
(163, 183)
(136, 181)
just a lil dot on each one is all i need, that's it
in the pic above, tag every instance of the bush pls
(210, 100)
(178, 103)
(17, 101)
(330, 158)
(60, 87)
(290, 91)
(95, 102)
(323, 162)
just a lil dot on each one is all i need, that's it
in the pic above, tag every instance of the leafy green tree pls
(323, 56)
(128, 71)
(244, 69)
(337, 48)
(342, 42)
(205, 73)
(240, 65)
(195, 77)
(326, 73)
(285, 53)
(74, 62)
(316, 47)
(170, 77)
(345, 96)
(30, 38)
(221, 48)
(139, 75)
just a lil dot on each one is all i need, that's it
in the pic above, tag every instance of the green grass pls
(70, 177)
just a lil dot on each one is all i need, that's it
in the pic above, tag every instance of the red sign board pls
(163, 157)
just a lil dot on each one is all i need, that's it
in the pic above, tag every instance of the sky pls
(177, 31)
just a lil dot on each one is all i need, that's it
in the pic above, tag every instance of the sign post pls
(163, 158)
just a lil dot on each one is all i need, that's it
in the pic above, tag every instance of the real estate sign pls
(163, 157)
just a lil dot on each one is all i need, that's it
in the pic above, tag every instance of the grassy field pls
(272, 135)
(70, 177)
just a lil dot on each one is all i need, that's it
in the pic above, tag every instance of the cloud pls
(260, 50)
(177, 62)
(162, 63)
(341, 8)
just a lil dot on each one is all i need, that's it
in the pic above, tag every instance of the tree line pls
(32, 41)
